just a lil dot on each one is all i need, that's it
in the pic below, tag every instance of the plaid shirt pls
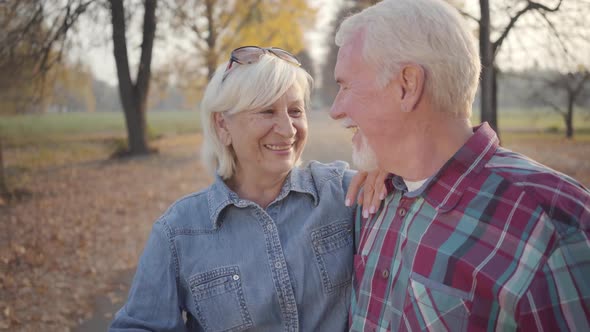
(495, 241)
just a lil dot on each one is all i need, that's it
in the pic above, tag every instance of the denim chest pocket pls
(219, 300)
(439, 306)
(332, 245)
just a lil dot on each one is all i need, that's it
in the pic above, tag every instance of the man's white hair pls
(245, 87)
(430, 33)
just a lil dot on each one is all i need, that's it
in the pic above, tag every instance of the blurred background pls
(100, 133)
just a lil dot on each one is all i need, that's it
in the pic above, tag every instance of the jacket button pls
(385, 274)
(236, 277)
(402, 212)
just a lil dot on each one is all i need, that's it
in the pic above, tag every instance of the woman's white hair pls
(430, 33)
(245, 87)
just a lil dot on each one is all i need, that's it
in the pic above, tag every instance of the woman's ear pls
(412, 79)
(221, 128)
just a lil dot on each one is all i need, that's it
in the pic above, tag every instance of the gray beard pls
(364, 158)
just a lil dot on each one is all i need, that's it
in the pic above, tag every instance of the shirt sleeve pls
(153, 302)
(558, 298)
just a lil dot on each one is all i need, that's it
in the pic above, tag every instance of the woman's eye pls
(267, 112)
(296, 112)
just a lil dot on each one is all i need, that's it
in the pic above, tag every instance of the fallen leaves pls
(79, 227)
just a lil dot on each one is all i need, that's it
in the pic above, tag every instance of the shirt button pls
(402, 212)
(385, 274)
(236, 277)
(278, 265)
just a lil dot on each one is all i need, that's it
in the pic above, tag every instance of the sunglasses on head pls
(251, 54)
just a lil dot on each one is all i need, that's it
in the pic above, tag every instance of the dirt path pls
(68, 252)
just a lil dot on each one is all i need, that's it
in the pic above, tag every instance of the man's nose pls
(336, 111)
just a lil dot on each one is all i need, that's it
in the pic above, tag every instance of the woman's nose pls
(284, 125)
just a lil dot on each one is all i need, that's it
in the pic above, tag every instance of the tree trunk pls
(494, 111)
(569, 118)
(488, 71)
(211, 40)
(3, 185)
(134, 95)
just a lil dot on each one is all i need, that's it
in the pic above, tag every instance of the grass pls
(538, 119)
(42, 141)
(23, 130)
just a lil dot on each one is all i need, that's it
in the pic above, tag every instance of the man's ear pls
(412, 78)
(221, 128)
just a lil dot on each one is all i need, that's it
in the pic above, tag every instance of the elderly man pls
(471, 236)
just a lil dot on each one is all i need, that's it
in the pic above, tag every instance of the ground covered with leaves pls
(64, 239)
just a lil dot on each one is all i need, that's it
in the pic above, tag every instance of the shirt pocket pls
(332, 245)
(219, 300)
(436, 306)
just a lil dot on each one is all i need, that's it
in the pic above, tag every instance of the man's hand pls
(371, 186)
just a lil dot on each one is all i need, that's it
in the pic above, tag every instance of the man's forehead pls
(349, 57)
(354, 43)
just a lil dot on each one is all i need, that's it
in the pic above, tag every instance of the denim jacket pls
(215, 262)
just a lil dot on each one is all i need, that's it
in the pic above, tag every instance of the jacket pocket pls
(332, 245)
(219, 300)
(438, 306)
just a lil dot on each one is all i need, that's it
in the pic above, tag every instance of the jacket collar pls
(219, 195)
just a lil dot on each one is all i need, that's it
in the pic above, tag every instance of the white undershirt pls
(414, 185)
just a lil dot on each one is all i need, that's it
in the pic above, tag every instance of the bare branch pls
(466, 14)
(553, 106)
(580, 85)
(531, 5)
(195, 28)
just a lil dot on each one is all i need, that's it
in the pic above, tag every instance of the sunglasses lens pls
(284, 55)
(247, 54)
(251, 54)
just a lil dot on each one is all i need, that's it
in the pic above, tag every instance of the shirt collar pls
(220, 195)
(446, 187)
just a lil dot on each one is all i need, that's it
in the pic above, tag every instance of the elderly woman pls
(268, 246)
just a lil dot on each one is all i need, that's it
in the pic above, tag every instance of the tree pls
(72, 88)
(32, 40)
(489, 48)
(31, 44)
(134, 94)
(50, 23)
(218, 26)
(563, 74)
(569, 87)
